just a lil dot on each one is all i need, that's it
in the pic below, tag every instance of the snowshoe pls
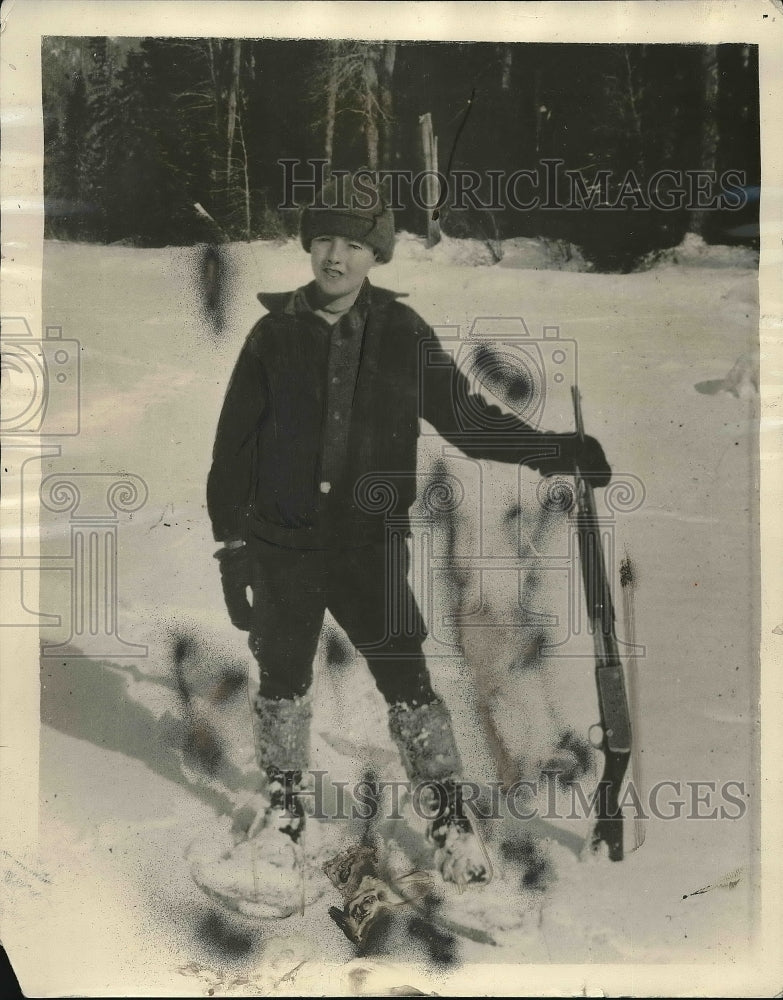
(261, 878)
(265, 872)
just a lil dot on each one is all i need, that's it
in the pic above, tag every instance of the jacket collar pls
(297, 302)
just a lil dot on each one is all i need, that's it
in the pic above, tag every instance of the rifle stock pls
(615, 719)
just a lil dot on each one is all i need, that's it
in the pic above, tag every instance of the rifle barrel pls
(610, 680)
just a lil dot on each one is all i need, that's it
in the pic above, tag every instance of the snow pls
(120, 805)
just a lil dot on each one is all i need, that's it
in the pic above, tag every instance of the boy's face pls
(340, 265)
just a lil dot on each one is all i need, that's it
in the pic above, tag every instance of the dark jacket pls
(265, 474)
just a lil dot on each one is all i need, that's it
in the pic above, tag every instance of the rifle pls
(615, 724)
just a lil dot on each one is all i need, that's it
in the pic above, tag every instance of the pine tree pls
(101, 136)
(71, 160)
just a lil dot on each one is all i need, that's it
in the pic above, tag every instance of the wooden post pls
(429, 146)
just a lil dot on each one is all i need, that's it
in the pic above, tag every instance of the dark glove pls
(572, 451)
(236, 575)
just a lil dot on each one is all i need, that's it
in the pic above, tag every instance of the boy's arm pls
(447, 397)
(229, 484)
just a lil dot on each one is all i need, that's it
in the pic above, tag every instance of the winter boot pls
(281, 728)
(424, 737)
(459, 850)
(265, 874)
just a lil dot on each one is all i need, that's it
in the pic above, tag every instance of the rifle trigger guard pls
(597, 745)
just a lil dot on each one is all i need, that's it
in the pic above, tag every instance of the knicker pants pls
(367, 592)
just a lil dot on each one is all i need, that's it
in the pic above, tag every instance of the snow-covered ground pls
(117, 905)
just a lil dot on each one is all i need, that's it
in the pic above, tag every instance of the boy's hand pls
(236, 575)
(588, 454)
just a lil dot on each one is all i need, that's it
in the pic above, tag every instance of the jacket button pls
(325, 487)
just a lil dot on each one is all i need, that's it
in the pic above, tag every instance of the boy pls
(326, 393)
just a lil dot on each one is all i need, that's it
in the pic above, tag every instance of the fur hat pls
(354, 211)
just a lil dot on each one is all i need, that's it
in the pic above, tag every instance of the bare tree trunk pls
(247, 176)
(709, 125)
(331, 105)
(371, 104)
(538, 106)
(508, 57)
(232, 107)
(386, 104)
(429, 145)
(709, 133)
(634, 107)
